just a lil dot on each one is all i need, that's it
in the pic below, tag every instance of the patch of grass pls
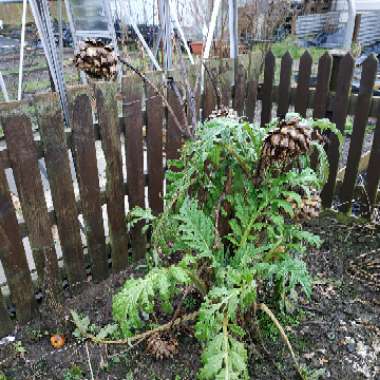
(270, 331)
(37, 85)
(350, 125)
(3, 377)
(313, 374)
(73, 373)
(290, 44)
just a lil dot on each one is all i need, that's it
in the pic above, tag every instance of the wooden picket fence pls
(35, 130)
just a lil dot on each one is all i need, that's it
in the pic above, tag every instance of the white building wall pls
(361, 5)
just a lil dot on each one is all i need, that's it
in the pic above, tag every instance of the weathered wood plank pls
(174, 136)
(194, 96)
(109, 129)
(226, 80)
(5, 322)
(211, 89)
(23, 158)
(302, 95)
(339, 118)
(51, 127)
(284, 87)
(240, 90)
(84, 151)
(373, 166)
(251, 99)
(323, 85)
(155, 117)
(133, 91)
(13, 259)
(367, 82)
(267, 91)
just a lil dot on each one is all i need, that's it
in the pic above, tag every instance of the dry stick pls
(189, 91)
(267, 311)
(214, 86)
(266, 352)
(175, 89)
(141, 337)
(89, 361)
(157, 91)
(178, 310)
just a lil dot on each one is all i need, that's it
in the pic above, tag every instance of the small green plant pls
(313, 374)
(84, 328)
(73, 373)
(19, 348)
(350, 126)
(232, 231)
(3, 377)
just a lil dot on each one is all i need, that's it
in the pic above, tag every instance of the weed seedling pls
(73, 373)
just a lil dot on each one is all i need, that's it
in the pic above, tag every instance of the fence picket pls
(23, 157)
(84, 151)
(211, 89)
(240, 89)
(267, 91)
(360, 123)
(13, 259)
(226, 77)
(154, 135)
(61, 185)
(323, 85)
(250, 105)
(284, 87)
(110, 133)
(193, 97)
(173, 134)
(346, 69)
(133, 128)
(373, 166)
(304, 73)
(5, 322)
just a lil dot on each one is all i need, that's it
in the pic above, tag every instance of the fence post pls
(337, 56)
(339, 118)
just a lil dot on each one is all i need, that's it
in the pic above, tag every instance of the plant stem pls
(198, 283)
(239, 159)
(266, 310)
(89, 361)
(226, 345)
(141, 337)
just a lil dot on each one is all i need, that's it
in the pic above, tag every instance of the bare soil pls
(336, 333)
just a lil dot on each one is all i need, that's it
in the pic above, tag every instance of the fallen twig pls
(89, 361)
(283, 335)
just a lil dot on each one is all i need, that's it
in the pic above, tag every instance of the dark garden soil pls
(336, 334)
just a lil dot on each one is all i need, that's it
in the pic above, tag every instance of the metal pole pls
(60, 28)
(234, 38)
(350, 24)
(233, 18)
(165, 25)
(211, 29)
(20, 72)
(181, 32)
(4, 88)
(142, 39)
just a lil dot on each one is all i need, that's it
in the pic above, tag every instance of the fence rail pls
(136, 146)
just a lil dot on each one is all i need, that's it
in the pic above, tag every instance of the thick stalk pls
(141, 337)
(226, 346)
